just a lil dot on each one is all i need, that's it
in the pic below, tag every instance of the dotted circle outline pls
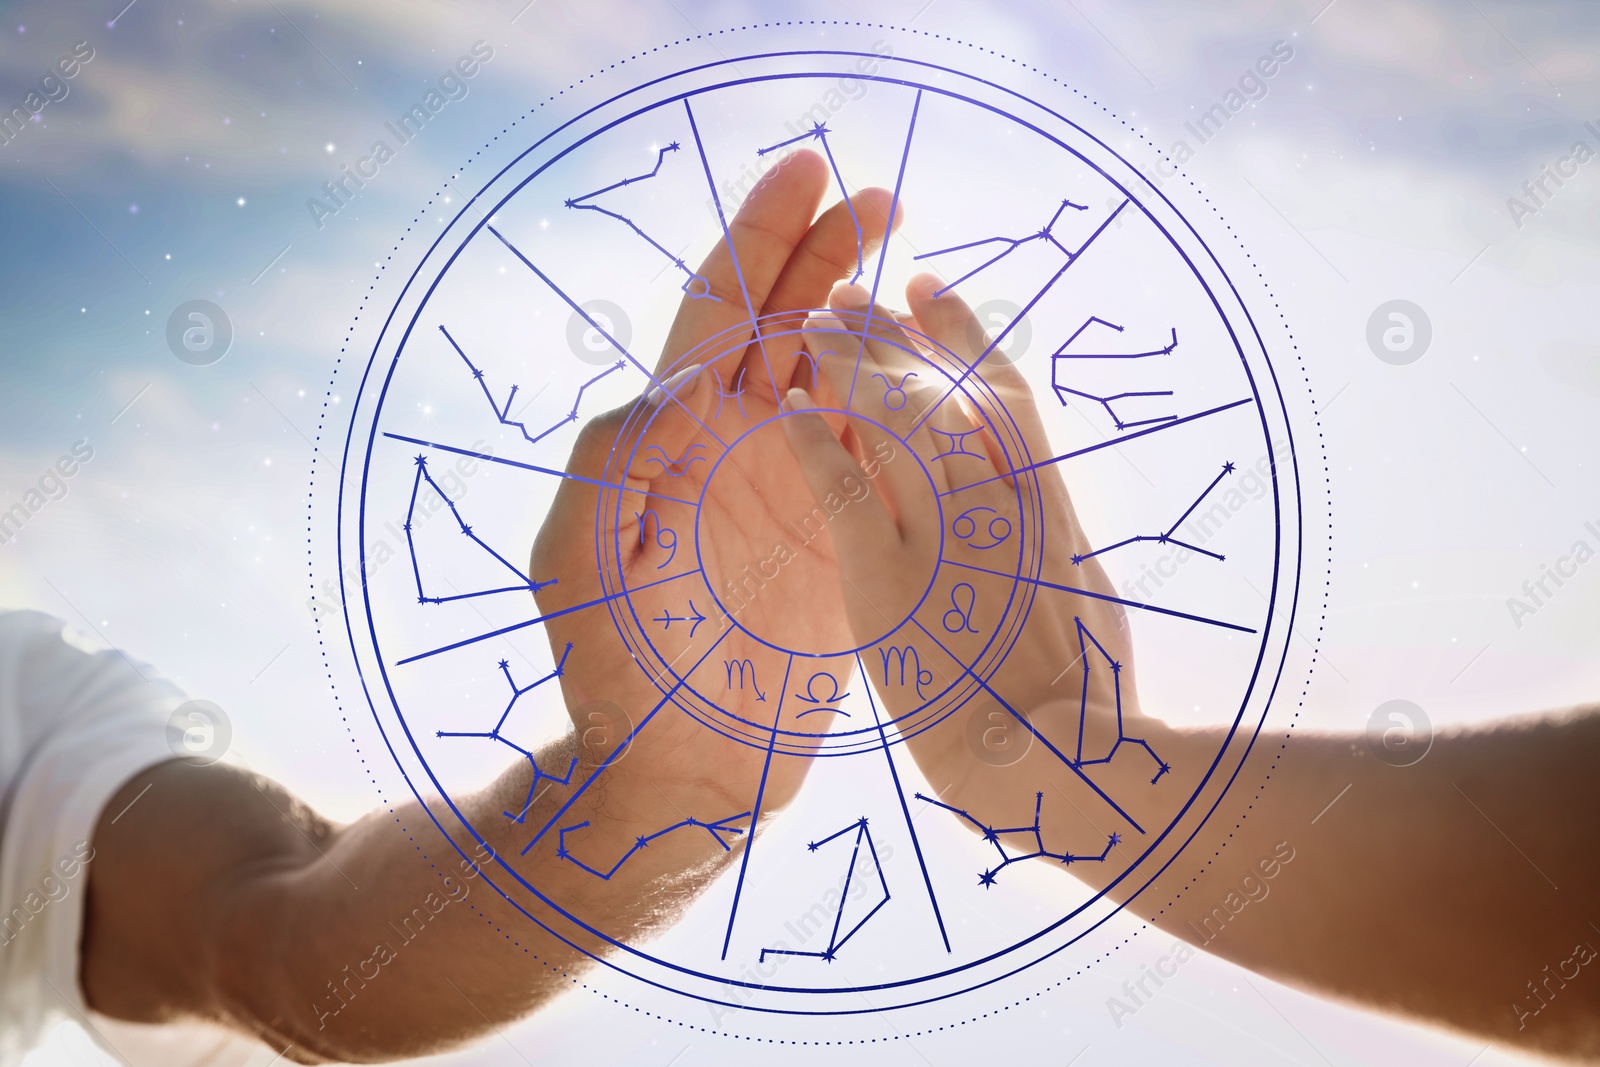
(1316, 419)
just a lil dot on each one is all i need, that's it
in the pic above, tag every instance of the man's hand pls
(786, 264)
(887, 545)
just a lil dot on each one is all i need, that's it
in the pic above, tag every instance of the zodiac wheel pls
(542, 299)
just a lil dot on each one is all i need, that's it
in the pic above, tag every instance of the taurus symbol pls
(890, 390)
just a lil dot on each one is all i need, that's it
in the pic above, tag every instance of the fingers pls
(668, 418)
(837, 246)
(764, 234)
(865, 536)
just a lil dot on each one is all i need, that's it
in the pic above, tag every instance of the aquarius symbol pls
(920, 675)
(661, 534)
(958, 443)
(811, 697)
(890, 390)
(963, 622)
(744, 664)
(999, 527)
(676, 468)
(666, 618)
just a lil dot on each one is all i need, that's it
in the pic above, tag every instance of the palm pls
(740, 495)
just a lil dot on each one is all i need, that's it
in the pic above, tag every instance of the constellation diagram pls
(1085, 639)
(1095, 320)
(715, 829)
(1060, 361)
(523, 584)
(994, 834)
(1165, 537)
(503, 411)
(835, 942)
(694, 285)
(819, 133)
(1045, 233)
(494, 734)
(673, 529)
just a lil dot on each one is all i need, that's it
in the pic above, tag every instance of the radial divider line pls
(883, 248)
(1108, 598)
(1107, 443)
(755, 811)
(727, 239)
(1041, 738)
(905, 809)
(537, 469)
(546, 618)
(617, 752)
(1001, 336)
(612, 341)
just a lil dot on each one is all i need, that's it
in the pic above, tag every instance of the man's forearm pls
(376, 941)
(1464, 889)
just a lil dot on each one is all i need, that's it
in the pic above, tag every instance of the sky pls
(1392, 157)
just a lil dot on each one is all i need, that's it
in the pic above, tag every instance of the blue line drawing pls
(900, 793)
(958, 443)
(1058, 364)
(761, 792)
(1166, 537)
(1138, 604)
(889, 389)
(997, 528)
(1044, 233)
(715, 829)
(1095, 320)
(835, 942)
(674, 468)
(1098, 445)
(503, 411)
(819, 133)
(976, 528)
(666, 618)
(578, 309)
(494, 734)
(883, 247)
(920, 675)
(737, 396)
(1073, 255)
(743, 665)
(524, 583)
(1085, 639)
(1066, 760)
(993, 835)
(579, 203)
(821, 703)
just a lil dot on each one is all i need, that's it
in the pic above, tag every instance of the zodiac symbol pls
(920, 676)
(963, 622)
(666, 618)
(676, 468)
(997, 536)
(704, 292)
(743, 665)
(661, 533)
(737, 396)
(805, 354)
(958, 443)
(811, 697)
(890, 390)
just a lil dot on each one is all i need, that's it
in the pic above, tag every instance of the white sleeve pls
(74, 726)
